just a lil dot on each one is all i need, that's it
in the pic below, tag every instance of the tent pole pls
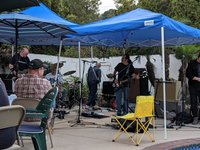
(13, 48)
(164, 88)
(60, 48)
(79, 56)
(92, 54)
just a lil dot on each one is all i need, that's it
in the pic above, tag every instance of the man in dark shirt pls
(93, 79)
(193, 75)
(20, 61)
(124, 70)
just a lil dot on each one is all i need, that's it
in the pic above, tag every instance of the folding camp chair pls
(37, 132)
(143, 117)
(11, 117)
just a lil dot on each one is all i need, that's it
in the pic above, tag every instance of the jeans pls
(92, 85)
(122, 93)
(194, 100)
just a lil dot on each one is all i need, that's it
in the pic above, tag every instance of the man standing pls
(33, 85)
(20, 61)
(124, 70)
(93, 79)
(193, 75)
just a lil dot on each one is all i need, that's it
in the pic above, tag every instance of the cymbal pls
(60, 65)
(110, 75)
(69, 72)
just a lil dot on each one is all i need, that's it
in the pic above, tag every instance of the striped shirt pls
(32, 86)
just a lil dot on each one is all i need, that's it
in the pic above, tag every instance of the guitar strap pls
(95, 74)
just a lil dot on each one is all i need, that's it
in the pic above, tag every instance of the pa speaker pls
(144, 86)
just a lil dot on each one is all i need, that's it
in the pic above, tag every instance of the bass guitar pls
(119, 84)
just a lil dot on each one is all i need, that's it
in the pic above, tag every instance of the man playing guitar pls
(125, 71)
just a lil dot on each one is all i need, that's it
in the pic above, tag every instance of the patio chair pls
(37, 132)
(11, 117)
(142, 118)
(27, 103)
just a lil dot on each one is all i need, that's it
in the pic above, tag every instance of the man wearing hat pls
(33, 85)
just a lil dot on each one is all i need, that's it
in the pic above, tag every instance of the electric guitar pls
(119, 84)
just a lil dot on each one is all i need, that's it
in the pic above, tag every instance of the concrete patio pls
(97, 134)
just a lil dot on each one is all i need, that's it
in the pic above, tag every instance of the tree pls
(187, 10)
(108, 14)
(125, 5)
(161, 6)
(83, 11)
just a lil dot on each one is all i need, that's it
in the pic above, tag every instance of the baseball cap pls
(36, 64)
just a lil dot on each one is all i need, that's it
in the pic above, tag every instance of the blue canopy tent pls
(139, 28)
(44, 12)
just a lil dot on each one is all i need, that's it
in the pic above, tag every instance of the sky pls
(106, 5)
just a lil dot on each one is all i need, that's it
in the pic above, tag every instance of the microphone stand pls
(78, 121)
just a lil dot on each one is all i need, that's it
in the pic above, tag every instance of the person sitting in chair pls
(33, 85)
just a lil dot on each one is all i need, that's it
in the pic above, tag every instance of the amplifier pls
(108, 88)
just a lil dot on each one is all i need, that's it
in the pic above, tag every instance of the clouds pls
(106, 5)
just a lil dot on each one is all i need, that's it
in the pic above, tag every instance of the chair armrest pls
(33, 111)
(35, 115)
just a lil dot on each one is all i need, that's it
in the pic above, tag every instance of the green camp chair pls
(37, 132)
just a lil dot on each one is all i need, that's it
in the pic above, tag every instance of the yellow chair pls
(143, 117)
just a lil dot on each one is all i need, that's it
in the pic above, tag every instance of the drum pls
(73, 96)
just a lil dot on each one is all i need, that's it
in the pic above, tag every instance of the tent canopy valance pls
(137, 28)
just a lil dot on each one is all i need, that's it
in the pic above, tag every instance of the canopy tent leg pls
(164, 88)
(79, 61)
(60, 48)
(13, 48)
(92, 52)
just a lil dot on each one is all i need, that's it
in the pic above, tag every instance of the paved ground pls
(97, 134)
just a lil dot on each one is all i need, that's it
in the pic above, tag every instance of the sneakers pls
(195, 120)
(88, 107)
(95, 107)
